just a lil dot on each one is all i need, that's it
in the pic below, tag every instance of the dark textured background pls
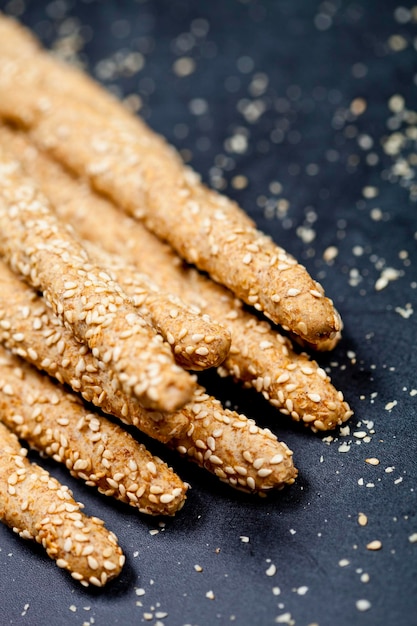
(280, 78)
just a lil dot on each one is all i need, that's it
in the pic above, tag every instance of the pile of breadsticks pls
(103, 231)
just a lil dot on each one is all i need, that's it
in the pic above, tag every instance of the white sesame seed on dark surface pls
(305, 113)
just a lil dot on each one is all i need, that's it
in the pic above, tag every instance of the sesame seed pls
(166, 498)
(250, 481)
(92, 562)
(302, 327)
(315, 293)
(271, 571)
(215, 460)
(363, 605)
(372, 461)
(362, 519)
(264, 472)
(257, 463)
(283, 378)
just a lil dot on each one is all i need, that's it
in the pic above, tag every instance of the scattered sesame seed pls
(139, 591)
(271, 571)
(285, 618)
(362, 519)
(330, 254)
(363, 605)
(301, 591)
(372, 461)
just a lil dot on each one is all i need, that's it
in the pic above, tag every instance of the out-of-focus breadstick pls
(124, 159)
(30, 329)
(234, 448)
(211, 428)
(104, 455)
(196, 341)
(36, 506)
(259, 355)
(94, 307)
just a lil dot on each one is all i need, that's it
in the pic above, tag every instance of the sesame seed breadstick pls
(104, 455)
(234, 448)
(196, 341)
(18, 42)
(36, 506)
(293, 383)
(124, 159)
(210, 428)
(259, 357)
(46, 254)
(30, 329)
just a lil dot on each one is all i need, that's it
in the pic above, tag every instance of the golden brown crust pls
(234, 448)
(142, 174)
(29, 328)
(203, 416)
(259, 357)
(41, 249)
(94, 449)
(196, 341)
(38, 507)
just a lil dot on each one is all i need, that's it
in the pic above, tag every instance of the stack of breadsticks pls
(98, 220)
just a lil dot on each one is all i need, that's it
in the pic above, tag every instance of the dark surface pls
(283, 75)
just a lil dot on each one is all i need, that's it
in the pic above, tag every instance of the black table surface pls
(304, 112)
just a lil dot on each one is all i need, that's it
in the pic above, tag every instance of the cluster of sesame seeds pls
(234, 448)
(29, 329)
(38, 507)
(86, 298)
(196, 342)
(92, 448)
(291, 382)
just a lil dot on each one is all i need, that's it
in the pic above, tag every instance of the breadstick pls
(93, 306)
(259, 357)
(94, 449)
(309, 396)
(36, 506)
(234, 448)
(18, 42)
(208, 424)
(125, 160)
(30, 329)
(196, 341)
